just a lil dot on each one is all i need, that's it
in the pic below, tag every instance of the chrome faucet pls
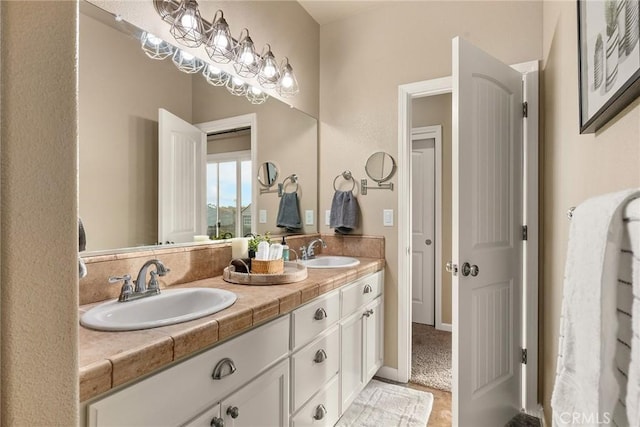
(308, 251)
(141, 290)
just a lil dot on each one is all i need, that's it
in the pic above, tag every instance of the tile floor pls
(441, 412)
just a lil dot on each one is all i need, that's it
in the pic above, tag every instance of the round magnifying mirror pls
(380, 166)
(267, 174)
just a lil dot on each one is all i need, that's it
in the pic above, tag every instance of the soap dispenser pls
(285, 249)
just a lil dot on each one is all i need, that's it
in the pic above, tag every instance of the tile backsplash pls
(188, 264)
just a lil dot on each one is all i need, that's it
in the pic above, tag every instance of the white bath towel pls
(586, 389)
(633, 380)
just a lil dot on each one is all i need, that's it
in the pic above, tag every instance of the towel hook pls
(346, 175)
(570, 213)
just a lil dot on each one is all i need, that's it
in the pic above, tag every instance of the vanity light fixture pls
(188, 27)
(220, 46)
(237, 86)
(288, 84)
(186, 62)
(255, 95)
(246, 61)
(215, 76)
(155, 47)
(268, 73)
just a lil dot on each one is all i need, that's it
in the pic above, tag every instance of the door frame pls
(406, 93)
(235, 122)
(435, 132)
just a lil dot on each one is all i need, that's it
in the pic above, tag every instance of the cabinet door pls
(374, 331)
(262, 402)
(352, 345)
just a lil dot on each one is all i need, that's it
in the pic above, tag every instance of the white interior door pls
(487, 247)
(182, 150)
(423, 230)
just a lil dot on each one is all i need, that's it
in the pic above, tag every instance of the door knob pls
(427, 242)
(468, 269)
(451, 268)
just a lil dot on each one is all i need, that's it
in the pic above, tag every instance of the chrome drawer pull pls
(233, 412)
(217, 422)
(321, 356)
(367, 289)
(218, 373)
(320, 314)
(321, 411)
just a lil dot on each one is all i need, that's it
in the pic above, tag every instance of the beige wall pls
(39, 276)
(428, 111)
(363, 60)
(285, 25)
(120, 90)
(574, 167)
(285, 136)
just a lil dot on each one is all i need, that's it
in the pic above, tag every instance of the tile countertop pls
(110, 359)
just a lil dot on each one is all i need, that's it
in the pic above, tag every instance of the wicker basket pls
(275, 266)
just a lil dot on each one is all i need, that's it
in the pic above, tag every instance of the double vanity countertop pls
(110, 359)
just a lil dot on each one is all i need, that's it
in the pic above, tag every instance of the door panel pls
(487, 219)
(423, 230)
(181, 179)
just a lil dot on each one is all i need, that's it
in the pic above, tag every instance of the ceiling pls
(326, 11)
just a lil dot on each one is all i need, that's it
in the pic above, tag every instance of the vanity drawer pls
(310, 320)
(361, 292)
(322, 409)
(314, 365)
(152, 401)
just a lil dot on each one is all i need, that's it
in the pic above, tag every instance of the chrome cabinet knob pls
(233, 412)
(320, 314)
(427, 242)
(321, 411)
(321, 356)
(217, 422)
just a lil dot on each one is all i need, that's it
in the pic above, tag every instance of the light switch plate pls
(262, 216)
(308, 217)
(387, 217)
(327, 217)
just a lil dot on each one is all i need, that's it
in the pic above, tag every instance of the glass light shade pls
(236, 86)
(220, 46)
(188, 27)
(155, 47)
(186, 62)
(247, 62)
(268, 74)
(215, 76)
(256, 95)
(288, 84)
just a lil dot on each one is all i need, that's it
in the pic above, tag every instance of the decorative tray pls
(293, 272)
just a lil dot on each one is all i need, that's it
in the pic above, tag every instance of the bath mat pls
(382, 404)
(431, 357)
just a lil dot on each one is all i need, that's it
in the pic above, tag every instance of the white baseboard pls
(388, 373)
(444, 327)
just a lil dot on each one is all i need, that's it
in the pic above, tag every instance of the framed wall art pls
(609, 59)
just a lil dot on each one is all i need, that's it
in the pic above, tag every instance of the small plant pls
(255, 241)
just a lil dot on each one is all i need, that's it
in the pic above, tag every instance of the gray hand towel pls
(289, 212)
(344, 212)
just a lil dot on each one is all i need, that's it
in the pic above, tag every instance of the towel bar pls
(347, 176)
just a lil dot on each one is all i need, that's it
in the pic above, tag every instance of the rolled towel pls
(344, 212)
(289, 213)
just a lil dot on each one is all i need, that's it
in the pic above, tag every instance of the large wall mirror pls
(121, 91)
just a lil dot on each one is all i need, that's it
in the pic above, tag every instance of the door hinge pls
(523, 356)
(525, 109)
(525, 232)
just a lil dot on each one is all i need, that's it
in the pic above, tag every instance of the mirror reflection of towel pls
(289, 212)
(344, 212)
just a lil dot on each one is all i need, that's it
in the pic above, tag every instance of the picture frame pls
(608, 59)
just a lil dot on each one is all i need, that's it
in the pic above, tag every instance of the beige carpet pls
(431, 357)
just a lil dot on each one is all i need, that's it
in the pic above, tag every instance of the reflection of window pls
(229, 194)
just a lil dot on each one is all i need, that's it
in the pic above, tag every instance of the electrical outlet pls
(308, 217)
(262, 216)
(387, 217)
(327, 217)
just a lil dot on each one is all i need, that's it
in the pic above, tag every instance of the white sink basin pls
(167, 308)
(330, 261)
